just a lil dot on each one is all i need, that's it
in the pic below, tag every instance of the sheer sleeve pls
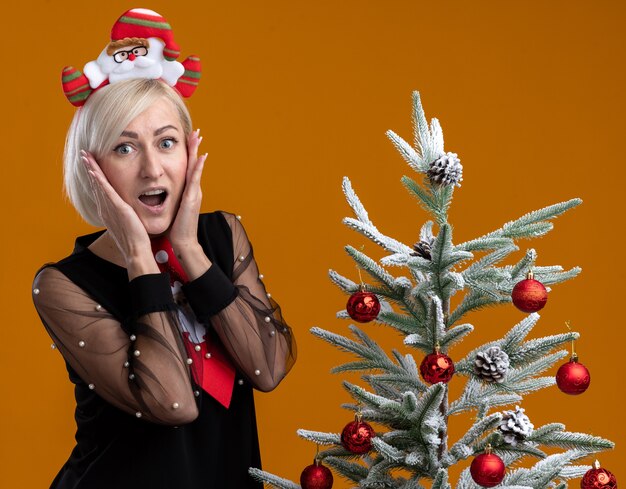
(138, 366)
(251, 325)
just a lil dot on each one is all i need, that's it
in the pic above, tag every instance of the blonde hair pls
(97, 126)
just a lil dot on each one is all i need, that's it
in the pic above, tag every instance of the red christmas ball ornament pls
(363, 306)
(487, 469)
(597, 478)
(357, 436)
(529, 295)
(316, 476)
(573, 377)
(437, 367)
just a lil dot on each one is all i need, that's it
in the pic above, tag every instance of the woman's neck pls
(105, 248)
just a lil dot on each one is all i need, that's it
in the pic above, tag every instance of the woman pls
(162, 318)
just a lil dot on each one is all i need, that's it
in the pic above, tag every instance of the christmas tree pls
(410, 406)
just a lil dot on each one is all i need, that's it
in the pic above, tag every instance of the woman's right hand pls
(122, 222)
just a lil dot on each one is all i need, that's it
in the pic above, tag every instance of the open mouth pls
(153, 198)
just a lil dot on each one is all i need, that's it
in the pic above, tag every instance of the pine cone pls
(422, 248)
(515, 426)
(491, 365)
(446, 170)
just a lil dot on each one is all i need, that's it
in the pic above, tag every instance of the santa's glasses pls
(121, 56)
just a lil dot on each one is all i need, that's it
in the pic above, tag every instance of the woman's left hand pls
(184, 231)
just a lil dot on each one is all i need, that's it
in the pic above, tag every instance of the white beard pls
(141, 67)
(151, 66)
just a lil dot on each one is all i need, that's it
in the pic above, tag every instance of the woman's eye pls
(167, 143)
(123, 149)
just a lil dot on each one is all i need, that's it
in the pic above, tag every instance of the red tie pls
(211, 366)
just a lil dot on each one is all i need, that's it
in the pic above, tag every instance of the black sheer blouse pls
(142, 418)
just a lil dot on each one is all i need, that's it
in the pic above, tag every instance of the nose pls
(151, 167)
(131, 56)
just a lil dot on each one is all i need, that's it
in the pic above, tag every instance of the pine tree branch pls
(534, 349)
(388, 452)
(483, 244)
(573, 471)
(506, 450)
(437, 325)
(510, 343)
(374, 357)
(396, 286)
(409, 154)
(443, 200)
(455, 335)
(489, 260)
(481, 395)
(399, 382)
(461, 449)
(474, 301)
(518, 272)
(441, 480)
(376, 236)
(320, 437)
(523, 372)
(379, 476)
(553, 467)
(411, 484)
(345, 284)
(423, 139)
(514, 337)
(430, 417)
(352, 471)
(403, 323)
(425, 199)
(534, 230)
(355, 203)
(554, 435)
(337, 451)
(443, 253)
(271, 479)
(512, 228)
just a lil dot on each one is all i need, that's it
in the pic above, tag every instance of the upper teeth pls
(154, 192)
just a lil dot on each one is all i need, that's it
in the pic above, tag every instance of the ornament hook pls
(358, 269)
(574, 354)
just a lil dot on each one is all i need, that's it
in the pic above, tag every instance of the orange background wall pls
(294, 96)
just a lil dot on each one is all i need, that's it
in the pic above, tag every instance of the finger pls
(193, 143)
(103, 205)
(193, 190)
(102, 182)
(196, 176)
(93, 184)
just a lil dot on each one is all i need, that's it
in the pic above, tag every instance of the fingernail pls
(200, 139)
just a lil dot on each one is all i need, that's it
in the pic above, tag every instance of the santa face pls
(148, 164)
(133, 61)
(130, 60)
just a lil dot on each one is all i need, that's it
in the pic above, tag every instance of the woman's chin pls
(156, 227)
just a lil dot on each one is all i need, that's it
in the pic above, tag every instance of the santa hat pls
(141, 22)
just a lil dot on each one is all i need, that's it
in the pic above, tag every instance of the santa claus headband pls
(142, 46)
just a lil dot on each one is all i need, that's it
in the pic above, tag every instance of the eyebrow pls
(134, 135)
(163, 129)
